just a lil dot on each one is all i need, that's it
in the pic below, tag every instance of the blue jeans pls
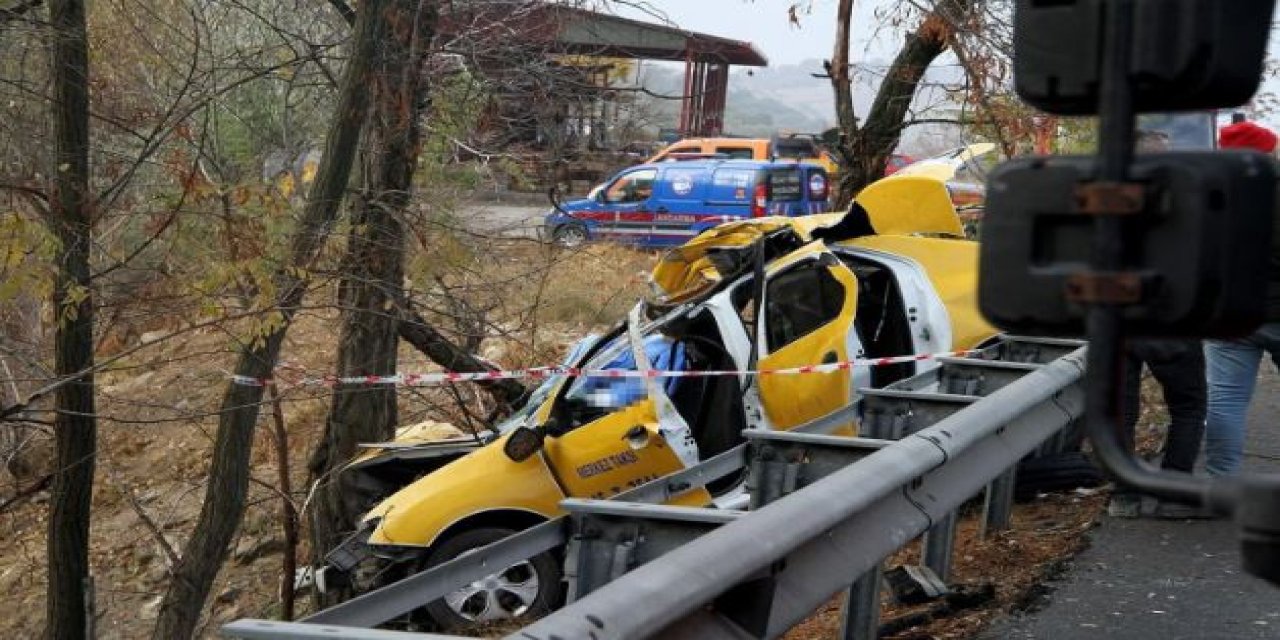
(1232, 367)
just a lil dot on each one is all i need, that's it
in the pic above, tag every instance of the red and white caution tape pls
(542, 373)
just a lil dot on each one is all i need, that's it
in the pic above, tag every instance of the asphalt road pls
(1151, 579)
(510, 220)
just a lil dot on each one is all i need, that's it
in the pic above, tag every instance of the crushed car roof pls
(911, 205)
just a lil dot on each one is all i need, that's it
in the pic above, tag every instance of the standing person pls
(1242, 134)
(1233, 364)
(1178, 365)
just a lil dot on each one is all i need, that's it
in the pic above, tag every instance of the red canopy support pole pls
(716, 90)
(686, 100)
(698, 125)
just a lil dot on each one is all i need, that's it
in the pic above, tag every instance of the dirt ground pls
(1044, 534)
(159, 414)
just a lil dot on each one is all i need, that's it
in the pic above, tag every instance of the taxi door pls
(617, 452)
(810, 299)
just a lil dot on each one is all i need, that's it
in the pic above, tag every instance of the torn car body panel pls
(908, 204)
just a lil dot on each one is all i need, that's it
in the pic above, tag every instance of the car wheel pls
(530, 588)
(569, 235)
(1054, 473)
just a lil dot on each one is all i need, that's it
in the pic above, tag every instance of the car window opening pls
(594, 396)
(566, 415)
(794, 149)
(712, 406)
(736, 153)
(634, 187)
(800, 302)
(881, 321)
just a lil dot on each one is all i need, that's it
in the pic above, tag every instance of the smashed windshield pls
(614, 393)
(544, 390)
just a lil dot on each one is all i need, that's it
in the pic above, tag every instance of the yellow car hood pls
(421, 434)
(481, 481)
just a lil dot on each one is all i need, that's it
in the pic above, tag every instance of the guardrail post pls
(938, 541)
(998, 504)
(861, 616)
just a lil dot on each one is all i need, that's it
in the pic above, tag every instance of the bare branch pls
(17, 11)
(345, 11)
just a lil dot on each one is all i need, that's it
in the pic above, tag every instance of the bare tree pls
(224, 501)
(75, 424)
(371, 290)
(865, 146)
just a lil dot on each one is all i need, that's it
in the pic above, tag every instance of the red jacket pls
(1247, 135)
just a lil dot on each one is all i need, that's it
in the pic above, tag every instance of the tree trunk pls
(75, 425)
(371, 290)
(415, 330)
(842, 85)
(865, 149)
(224, 500)
(288, 512)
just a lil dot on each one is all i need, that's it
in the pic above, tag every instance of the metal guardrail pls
(825, 512)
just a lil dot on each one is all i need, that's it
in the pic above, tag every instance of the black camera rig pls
(1111, 246)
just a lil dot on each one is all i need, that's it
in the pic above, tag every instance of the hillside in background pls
(788, 98)
(794, 85)
(785, 103)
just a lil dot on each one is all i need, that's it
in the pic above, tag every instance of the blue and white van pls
(666, 204)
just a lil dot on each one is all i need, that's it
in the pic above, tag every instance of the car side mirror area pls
(523, 443)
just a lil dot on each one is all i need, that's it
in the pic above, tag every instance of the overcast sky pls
(764, 23)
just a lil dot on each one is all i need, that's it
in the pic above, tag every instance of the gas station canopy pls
(559, 29)
(590, 33)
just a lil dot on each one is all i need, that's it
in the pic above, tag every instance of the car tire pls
(570, 235)
(1053, 473)
(528, 589)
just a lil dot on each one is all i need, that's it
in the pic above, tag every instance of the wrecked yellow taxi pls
(893, 276)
